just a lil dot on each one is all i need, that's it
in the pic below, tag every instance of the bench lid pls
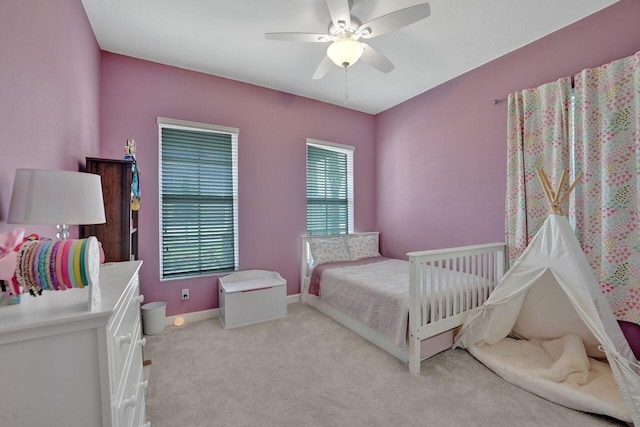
(248, 280)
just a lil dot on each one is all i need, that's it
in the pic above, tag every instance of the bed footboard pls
(444, 285)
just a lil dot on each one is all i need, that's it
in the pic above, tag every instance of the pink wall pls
(49, 89)
(441, 156)
(271, 157)
(436, 162)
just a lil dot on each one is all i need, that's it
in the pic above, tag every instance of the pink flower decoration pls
(8, 256)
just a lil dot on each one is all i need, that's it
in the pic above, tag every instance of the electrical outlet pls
(185, 294)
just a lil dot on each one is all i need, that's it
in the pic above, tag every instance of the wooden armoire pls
(119, 235)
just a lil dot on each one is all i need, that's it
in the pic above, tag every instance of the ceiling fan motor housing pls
(344, 28)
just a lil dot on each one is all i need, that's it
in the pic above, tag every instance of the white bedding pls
(558, 370)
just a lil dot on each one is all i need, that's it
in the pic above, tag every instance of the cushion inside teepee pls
(551, 352)
(528, 365)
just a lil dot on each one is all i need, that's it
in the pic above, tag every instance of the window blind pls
(198, 202)
(329, 190)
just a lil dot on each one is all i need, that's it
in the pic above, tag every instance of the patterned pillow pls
(363, 246)
(329, 249)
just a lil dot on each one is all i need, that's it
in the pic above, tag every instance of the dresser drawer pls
(140, 419)
(139, 414)
(127, 311)
(124, 333)
(127, 354)
(122, 347)
(128, 403)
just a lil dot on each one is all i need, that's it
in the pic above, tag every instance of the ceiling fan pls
(346, 31)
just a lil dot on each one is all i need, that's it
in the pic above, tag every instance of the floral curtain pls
(607, 203)
(537, 136)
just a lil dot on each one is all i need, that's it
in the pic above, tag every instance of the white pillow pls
(365, 246)
(329, 249)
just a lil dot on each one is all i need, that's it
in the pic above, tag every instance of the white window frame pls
(195, 126)
(349, 151)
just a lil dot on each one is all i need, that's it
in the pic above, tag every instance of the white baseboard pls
(291, 299)
(196, 316)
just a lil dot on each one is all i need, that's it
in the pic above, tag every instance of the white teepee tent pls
(546, 324)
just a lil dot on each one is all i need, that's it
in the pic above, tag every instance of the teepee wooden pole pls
(550, 188)
(547, 185)
(570, 189)
(543, 182)
(557, 197)
(557, 207)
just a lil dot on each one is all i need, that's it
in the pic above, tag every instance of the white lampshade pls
(56, 197)
(345, 52)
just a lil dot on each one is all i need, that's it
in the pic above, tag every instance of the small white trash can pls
(153, 316)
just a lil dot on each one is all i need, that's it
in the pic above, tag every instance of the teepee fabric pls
(548, 293)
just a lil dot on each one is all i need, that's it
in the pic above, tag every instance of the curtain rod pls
(499, 101)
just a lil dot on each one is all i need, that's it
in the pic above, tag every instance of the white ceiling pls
(226, 38)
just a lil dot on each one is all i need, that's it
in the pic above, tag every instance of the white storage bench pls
(251, 296)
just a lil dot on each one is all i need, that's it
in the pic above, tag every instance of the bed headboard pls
(306, 259)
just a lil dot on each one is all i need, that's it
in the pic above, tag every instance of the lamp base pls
(63, 231)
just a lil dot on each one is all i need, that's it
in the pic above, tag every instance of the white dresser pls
(63, 365)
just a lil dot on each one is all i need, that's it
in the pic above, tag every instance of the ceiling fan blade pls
(339, 11)
(376, 59)
(394, 20)
(323, 68)
(298, 37)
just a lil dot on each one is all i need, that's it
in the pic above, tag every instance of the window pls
(198, 199)
(329, 188)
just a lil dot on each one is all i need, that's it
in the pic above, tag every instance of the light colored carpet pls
(307, 370)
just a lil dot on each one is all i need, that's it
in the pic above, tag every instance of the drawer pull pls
(124, 339)
(144, 384)
(142, 342)
(127, 403)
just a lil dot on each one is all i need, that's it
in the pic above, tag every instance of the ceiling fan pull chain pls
(346, 94)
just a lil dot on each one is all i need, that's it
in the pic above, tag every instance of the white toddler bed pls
(408, 308)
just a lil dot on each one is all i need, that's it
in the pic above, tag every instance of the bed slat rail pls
(444, 285)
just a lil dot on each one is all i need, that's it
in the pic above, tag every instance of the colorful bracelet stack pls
(49, 265)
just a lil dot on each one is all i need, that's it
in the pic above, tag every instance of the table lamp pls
(56, 197)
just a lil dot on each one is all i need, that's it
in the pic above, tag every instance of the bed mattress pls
(376, 292)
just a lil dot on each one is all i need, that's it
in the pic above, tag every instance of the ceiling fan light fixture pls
(345, 52)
